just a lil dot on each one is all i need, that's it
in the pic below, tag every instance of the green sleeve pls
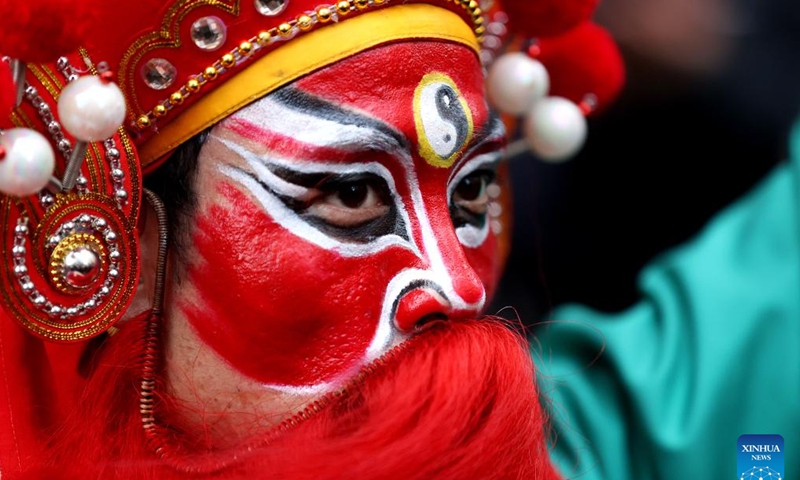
(711, 352)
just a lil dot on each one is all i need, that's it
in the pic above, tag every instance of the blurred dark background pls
(713, 89)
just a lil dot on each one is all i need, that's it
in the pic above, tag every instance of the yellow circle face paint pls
(443, 119)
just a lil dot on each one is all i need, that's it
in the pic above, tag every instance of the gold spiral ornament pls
(74, 271)
(77, 263)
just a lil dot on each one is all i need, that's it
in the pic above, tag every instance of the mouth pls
(311, 410)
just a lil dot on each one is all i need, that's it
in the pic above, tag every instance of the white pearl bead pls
(91, 109)
(516, 82)
(28, 163)
(555, 129)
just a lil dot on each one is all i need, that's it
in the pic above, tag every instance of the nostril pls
(428, 319)
(419, 307)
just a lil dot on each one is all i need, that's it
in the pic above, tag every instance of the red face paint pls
(291, 302)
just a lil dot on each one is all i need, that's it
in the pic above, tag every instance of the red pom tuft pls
(584, 61)
(40, 31)
(7, 93)
(106, 37)
(546, 18)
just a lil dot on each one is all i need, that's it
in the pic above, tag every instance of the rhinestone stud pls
(158, 73)
(209, 33)
(270, 8)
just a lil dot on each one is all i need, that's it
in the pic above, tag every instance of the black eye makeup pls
(469, 201)
(353, 207)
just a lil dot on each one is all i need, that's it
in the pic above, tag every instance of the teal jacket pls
(711, 352)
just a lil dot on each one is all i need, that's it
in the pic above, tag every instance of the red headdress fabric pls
(546, 18)
(585, 60)
(42, 30)
(7, 95)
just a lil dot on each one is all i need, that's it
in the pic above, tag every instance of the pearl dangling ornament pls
(28, 163)
(516, 82)
(91, 108)
(555, 129)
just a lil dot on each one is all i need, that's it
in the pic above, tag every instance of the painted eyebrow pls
(263, 168)
(260, 169)
(380, 136)
(491, 130)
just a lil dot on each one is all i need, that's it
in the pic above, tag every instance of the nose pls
(420, 306)
(447, 259)
(467, 284)
(453, 288)
(464, 286)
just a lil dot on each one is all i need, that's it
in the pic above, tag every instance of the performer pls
(298, 293)
(710, 353)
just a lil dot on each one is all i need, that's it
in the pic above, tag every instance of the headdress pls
(94, 93)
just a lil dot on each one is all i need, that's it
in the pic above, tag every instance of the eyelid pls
(334, 180)
(487, 161)
(489, 173)
(331, 183)
(374, 209)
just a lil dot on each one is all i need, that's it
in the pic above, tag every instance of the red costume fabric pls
(371, 305)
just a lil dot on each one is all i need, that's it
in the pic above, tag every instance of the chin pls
(457, 400)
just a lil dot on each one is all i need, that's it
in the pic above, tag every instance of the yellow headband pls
(304, 55)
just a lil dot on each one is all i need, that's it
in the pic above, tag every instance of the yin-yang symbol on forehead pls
(443, 119)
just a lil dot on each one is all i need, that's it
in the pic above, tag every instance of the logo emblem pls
(443, 120)
(760, 457)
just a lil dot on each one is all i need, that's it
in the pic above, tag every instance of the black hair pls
(174, 183)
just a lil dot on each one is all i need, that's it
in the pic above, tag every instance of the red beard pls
(456, 401)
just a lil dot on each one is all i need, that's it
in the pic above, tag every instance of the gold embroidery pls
(167, 36)
(40, 75)
(283, 32)
(58, 80)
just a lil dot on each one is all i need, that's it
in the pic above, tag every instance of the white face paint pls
(470, 235)
(444, 121)
(272, 161)
(263, 167)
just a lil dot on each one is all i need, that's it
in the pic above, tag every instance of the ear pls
(148, 244)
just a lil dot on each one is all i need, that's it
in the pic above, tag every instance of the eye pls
(348, 203)
(354, 195)
(470, 193)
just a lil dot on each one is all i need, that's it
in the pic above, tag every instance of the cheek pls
(488, 259)
(276, 307)
(486, 263)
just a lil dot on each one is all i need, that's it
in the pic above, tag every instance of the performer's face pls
(341, 213)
